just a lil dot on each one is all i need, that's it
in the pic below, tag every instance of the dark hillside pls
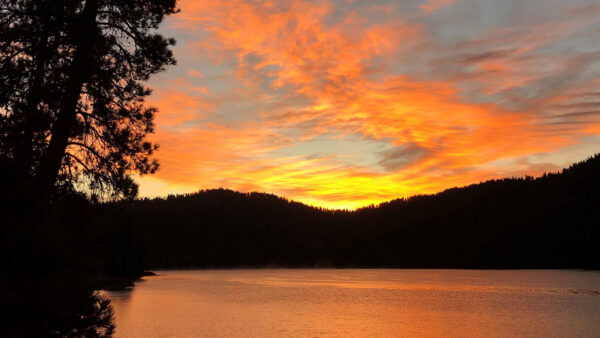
(545, 222)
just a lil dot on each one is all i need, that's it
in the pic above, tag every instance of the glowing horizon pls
(342, 104)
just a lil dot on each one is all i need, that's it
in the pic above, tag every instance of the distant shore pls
(119, 283)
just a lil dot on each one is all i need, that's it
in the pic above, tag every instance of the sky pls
(343, 104)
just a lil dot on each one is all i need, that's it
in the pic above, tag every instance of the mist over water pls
(363, 303)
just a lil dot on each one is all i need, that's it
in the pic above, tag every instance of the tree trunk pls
(67, 114)
(30, 109)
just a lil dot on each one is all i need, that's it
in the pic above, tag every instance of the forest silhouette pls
(545, 222)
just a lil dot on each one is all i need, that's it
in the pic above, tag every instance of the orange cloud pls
(433, 5)
(294, 71)
(181, 103)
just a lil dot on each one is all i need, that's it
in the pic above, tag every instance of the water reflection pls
(271, 303)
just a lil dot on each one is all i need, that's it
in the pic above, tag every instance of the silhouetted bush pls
(49, 268)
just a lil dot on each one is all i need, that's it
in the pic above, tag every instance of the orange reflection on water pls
(364, 303)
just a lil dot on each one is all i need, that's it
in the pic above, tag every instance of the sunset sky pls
(342, 104)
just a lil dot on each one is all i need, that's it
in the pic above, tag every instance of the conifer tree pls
(72, 91)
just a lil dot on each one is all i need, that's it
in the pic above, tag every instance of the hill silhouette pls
(547, 222)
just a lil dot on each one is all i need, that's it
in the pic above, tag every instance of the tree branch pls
(79, 161)
(88, 148)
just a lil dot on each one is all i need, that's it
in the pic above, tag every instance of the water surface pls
(360, 303)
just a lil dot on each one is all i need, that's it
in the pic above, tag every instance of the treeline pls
(546, 222)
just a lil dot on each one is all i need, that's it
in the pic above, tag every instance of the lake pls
(360, 303)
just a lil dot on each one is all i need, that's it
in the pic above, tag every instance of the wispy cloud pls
(434, 5)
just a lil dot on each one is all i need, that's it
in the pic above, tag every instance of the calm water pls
(360, 303)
